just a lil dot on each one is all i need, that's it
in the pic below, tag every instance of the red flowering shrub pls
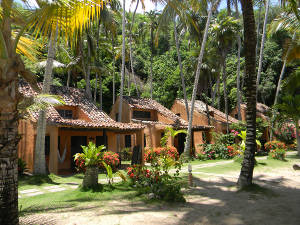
(138, 173)
(111, 158)
(277, 153)
(272, 145)
(151, 155)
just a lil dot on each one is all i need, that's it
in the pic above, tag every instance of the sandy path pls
(213, 201)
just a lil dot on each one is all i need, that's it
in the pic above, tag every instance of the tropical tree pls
(43, 19)
(246, 173)
(225, 30)
(261, 53)
(289, 107)
(152, 15)
(213, 6)
(169, 15)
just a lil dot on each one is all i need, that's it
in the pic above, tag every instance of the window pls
(236, 116)
(47, 145)
(141, 114)
(67, 114)
(117, 117)
(127, 141)
(145, 140)
(178, 114)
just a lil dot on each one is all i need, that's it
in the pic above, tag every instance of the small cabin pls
(214, 117)
(156, 118)
(70, 126)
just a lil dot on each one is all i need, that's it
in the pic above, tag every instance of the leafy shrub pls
(271, 145)
(22, 166)
(224, 139)
(111, 159)
(94, 156)
(202, 156)
(277, 153)
(157, 179)
(286, 133)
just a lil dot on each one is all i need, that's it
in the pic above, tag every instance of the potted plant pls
(90, 158)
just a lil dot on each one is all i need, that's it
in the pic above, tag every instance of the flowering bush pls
(277, 153)
(94, 156)
(234, 132)
(111, 158)
(151, 155)
(271, 145)
(156, 179)
(286, 133)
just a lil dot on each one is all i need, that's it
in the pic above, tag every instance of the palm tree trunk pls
(218, 93)
(282, 71)
(262, 46)
(258, 27)
(130, 48)
(88, 89)
(238, 76)
(123, 65)
(100, 92)
(151, 65)
(9, 136)
(187, 146)
(113, 66)
(225, 88)
(95, 89)
(181, 69)
(246, 173)
(215, 91)
(86, 74)
(69, 77)
(279, 83)
(39, 153)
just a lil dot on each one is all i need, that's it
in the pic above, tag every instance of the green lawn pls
(263, 165)
(75, 199)
(28, 182)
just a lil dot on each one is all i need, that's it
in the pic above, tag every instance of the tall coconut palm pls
(238, 76)
(225, 30)
(187, 146)
(152, 15)
(169, 15)
(246, 173)
(39, 162)
(261, 53)
(123, 65)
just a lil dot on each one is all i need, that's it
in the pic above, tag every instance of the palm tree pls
(123, 64)
(187, 146)
(262, 44)
(238, 76)
(225, 30)
(246, 173)
(11, 66)
(169, 15)
(152, 15)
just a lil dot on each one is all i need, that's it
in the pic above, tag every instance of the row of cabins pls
(142, 125)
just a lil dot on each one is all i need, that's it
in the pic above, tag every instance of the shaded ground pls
(214, 200)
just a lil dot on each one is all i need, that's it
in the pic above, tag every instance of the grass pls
(29, 182)
(73, 200)
(263, 165)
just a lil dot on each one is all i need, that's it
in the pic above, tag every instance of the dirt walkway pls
(213, 201)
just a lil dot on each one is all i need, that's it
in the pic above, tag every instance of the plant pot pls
(90, 179)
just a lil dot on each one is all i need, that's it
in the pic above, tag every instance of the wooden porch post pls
(53, 160)
(140, 142)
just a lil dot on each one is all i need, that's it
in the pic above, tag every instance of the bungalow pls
(156, 118)
(261, 112)
(69, 126)
(216, 118)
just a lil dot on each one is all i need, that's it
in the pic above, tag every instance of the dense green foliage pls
(166, 73)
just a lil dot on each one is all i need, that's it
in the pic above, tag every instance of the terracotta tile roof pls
(260, 107)
(76, 97)
(201, 108)
(150, 104)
